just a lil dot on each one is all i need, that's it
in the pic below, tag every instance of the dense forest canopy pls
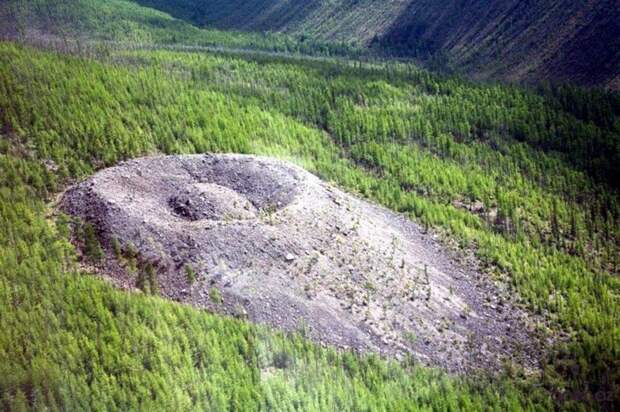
(543, 161)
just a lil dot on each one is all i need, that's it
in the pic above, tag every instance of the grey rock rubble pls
(286, 249)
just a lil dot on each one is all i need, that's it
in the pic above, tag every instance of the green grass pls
(407, 139)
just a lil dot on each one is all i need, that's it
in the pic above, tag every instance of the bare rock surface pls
(272, 242)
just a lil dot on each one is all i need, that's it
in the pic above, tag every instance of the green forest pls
(544, 161)
(79, 23)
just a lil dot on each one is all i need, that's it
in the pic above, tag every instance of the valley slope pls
(568, 40)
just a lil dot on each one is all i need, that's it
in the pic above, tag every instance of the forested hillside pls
(75, 23)
(564, 40)
(526, 180)
(554, 234)
(568, 40)
(511, 40)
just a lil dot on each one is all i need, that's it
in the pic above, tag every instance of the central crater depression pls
(210, 201)
(269, 241)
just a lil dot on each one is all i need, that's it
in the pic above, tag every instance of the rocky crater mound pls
(263, 239)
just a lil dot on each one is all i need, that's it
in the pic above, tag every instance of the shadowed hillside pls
(339, 20)
(564, 40)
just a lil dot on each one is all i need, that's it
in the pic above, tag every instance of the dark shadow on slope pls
(513, 39)
(592, 56)
(265, 15)
(426, 27)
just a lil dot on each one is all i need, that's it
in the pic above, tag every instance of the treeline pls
(441, 150)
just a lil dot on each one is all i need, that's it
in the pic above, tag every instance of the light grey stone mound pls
(286, 249)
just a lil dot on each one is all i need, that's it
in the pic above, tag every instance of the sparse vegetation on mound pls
(355, 275)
